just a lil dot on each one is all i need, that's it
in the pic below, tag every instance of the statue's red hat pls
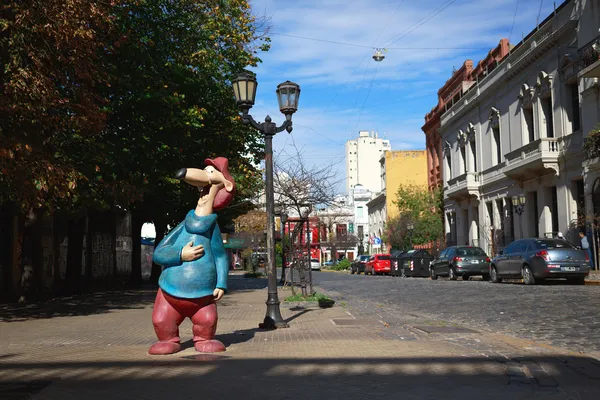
(224, 197)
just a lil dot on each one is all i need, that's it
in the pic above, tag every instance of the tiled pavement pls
(95, 347)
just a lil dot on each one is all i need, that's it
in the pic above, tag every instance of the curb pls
(592, 283)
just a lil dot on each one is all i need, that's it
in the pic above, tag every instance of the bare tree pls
(299, 190)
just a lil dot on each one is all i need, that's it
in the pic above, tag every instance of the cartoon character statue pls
(195, 264)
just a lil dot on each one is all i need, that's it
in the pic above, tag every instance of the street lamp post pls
(244, 89)
(409, 228)
(518, 203)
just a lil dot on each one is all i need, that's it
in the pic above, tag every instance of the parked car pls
(315, 265)
(359, 265)
(414, 262)
(464, 261)
(535, 259)
(379, 264)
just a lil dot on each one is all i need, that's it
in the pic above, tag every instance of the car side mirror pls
(578, 247)
(500, 252)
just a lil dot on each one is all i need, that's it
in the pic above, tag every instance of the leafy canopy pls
(421, 207)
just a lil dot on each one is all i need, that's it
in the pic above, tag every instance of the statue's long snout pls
(193, 176)
(200, 178)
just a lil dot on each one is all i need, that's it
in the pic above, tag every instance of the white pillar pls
(545, 210)
(462, 226)
(472, 225)
(508, 220)
(565, 207)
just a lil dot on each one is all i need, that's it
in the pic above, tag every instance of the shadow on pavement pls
(224, 377)
(106, 301)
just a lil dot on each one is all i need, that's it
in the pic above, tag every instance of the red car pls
(379, 264)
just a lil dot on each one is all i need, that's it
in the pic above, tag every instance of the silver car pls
(315, 265)
(537, 259)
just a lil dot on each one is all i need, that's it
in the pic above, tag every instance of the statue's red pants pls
(169, 312)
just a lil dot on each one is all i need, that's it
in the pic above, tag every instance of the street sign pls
(351, 228)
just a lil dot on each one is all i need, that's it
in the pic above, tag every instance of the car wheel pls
(466, 277)
(528, 277)
(494, 278)
(451, 274)
(432, 274)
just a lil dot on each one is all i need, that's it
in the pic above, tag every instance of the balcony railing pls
(589, 53)
(463, 186)
(468, 178)
(534, 159)
(543, 147)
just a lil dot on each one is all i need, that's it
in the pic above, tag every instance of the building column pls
(461, 226)
(447, 227)
(509, 221)
(497, 227)
(566, 210)
(473, 237)
(545, 210)
(528, 219)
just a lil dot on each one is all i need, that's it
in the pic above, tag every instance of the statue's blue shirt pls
(198, 278)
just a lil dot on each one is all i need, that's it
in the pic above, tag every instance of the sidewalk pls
(95, 347)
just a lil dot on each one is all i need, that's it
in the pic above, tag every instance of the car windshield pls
(314, 260)
(383, 258)
(364, 258)
(470, 251)
(552, 244)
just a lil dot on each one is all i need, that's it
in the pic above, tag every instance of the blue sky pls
(343, 90)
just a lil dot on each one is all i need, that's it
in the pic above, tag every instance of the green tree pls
(172, 105)
(52, 111)
(422, 208)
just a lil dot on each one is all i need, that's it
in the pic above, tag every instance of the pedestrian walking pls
(585, 245)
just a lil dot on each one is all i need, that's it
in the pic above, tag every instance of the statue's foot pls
(164, 348)
(209, 346)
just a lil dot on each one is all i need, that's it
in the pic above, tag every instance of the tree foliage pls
(103, 101)
(52, 107)
(422, 208)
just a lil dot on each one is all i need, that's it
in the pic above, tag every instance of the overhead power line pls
(537, 21)
(421, 22)
(373, 47)
(513, 23)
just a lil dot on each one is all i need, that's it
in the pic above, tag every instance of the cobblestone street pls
(555, 313)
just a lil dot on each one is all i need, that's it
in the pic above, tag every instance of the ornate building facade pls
(517, 133)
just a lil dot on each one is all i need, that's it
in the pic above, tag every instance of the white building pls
(360, 197)
(338, 230)
(520, 130)
(362, 161)
(377, 219)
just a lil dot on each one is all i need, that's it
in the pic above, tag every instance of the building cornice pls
(542, 40)
(379, 199)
